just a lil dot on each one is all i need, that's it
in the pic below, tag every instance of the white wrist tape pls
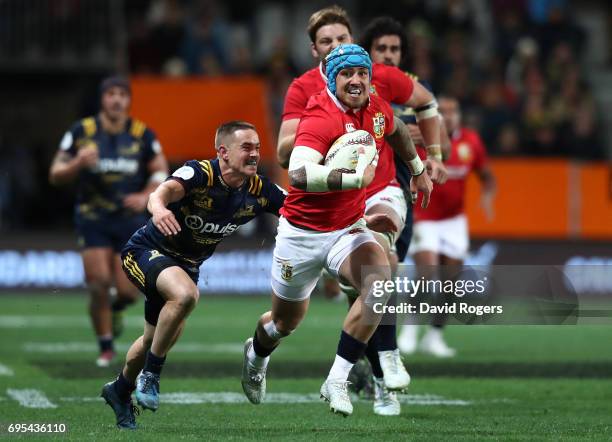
(416, 166)
(434, 151)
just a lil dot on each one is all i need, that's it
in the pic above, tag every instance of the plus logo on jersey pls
(198, 225)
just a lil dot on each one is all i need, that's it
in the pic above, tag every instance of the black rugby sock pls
(123, 387)
(154, 364)
(371, 353)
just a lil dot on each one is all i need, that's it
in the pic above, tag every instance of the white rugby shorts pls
(394, 198)
(301, 254)
(447, 237)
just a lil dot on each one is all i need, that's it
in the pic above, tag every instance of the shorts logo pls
(194, 222)
(379, 124)
(355, 231)
(155, 254)
(286, 269)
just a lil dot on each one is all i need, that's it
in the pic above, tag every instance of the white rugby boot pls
(395, 375)
(253, 378)
(407, 339)
(335, 391)
(433, 343)
(385, 401)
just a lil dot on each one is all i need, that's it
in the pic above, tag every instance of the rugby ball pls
(345, 151)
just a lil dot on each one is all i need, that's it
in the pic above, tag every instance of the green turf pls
(517, 383)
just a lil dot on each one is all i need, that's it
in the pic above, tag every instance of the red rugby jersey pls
(447, 200)
(389, 82)
(323, 122)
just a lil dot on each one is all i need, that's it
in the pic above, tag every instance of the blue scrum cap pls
(345, 56)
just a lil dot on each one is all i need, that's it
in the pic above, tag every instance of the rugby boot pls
(105, 359)
(433, 343)
(147, 390)
(385, 401)
(407, 339)
(395, 374)
(253, 378)
(125, 411)
(335, 392)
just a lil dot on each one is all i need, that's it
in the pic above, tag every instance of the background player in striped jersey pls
(191, 213)
(117, 162)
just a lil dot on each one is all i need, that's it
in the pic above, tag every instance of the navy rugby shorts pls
(114, 232)
(142, 265)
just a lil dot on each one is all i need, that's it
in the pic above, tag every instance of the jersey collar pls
(323, 76)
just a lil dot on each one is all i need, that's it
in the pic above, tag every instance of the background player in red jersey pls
(440, 235)
(322, 224)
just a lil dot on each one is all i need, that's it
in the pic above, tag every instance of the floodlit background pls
(534, 77)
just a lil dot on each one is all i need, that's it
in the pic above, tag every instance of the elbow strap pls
(428, 110)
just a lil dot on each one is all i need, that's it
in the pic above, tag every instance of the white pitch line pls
(6, 371)
(131, 321)
(228, 397)
(89, 347)
(30, 398)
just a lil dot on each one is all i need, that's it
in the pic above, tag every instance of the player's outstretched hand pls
(421, 183)
(165, 222)
(437, 171)
(380, 222)
(136, 202)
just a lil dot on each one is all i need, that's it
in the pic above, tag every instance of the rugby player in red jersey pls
(440, 235)
(322, 223)
(328, 28)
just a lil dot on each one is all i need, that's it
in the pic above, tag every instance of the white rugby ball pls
(345, 151)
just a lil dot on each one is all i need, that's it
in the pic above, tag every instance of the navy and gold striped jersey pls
(209, 211)
(121, 169)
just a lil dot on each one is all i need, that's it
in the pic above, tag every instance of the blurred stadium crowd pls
(521, 68)
(515, 65)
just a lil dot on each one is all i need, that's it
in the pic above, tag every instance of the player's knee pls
(376, 287)
(186, 300)
(99, 285)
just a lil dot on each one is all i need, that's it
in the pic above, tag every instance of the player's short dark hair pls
(229, 128)
(381, 26)
(327, 16)
(115, 81)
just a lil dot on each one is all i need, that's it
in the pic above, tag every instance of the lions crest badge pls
(286, 269)
(378, 121)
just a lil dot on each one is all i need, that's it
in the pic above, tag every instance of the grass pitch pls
(518, 383)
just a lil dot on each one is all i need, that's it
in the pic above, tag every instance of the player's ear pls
(313, 50)
(223, 152)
